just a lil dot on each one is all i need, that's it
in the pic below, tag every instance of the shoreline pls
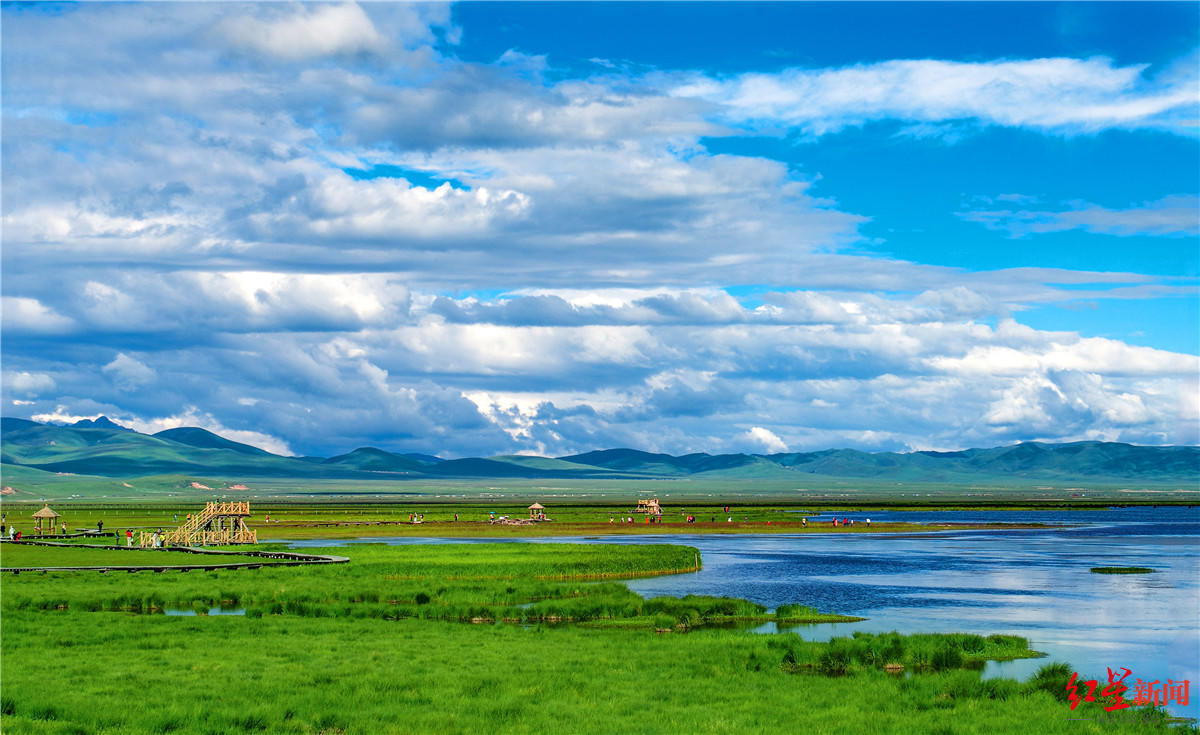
(472, 529)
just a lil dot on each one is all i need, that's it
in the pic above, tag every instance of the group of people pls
(629, 519)
(846, 522)
(14, 535)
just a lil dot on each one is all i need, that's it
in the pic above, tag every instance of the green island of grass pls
(1122, 570)
(482, 638)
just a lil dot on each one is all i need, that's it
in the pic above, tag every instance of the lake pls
(1034, 583)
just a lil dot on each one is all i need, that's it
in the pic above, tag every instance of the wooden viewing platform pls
(217, 524)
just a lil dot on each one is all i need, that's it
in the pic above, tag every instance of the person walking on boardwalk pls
(129, 538)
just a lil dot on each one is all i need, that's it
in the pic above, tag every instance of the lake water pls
(1034, 583)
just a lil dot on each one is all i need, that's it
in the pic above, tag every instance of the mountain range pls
(102, 447)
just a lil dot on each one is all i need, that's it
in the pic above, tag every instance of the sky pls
(541, 228)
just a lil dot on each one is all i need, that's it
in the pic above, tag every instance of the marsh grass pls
(365, 648)
(306, 675)
(1122, 570)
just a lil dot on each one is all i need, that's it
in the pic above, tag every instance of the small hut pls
(47, 515)
(537, 511)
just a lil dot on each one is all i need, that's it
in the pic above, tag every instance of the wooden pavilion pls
(537, 512)
(650, 506)
(45, 514)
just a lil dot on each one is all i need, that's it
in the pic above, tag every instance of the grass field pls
(33, 485)
(385, 644)
(353, 520)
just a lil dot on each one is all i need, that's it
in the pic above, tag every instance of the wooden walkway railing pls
(218, 524)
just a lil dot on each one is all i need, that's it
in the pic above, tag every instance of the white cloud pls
(393, 210)
(298, 32)
(28, 384)
(1054, 93)
(1169, 216)
(563, 290)
(29, 316)
(128, 373)
(767, 438)
(60, 415)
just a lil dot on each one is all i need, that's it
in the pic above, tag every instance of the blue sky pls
(471, 229)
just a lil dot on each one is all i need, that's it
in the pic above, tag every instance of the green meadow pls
(291, 521)
(484, 638)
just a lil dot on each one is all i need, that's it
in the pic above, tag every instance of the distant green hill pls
(204, 439)
(371, 459)
(102, 448)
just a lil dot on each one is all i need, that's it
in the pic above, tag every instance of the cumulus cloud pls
(128, 373)
(28, 384)
(307, 228)
(391, 210)
(299, 32)
(23, 315)
(771, 443)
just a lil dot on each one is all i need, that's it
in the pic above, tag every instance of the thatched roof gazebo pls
(536, 509)
(45, 514)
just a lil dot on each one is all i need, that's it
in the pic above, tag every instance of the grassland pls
(385, 644)
(33, 485)
(1122, 570)
(295, 521)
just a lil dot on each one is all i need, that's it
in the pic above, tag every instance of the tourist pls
(804, 521)
(64, 528)
(11, 530)
(129, 538)
(177, 518)
(18, 538)
(868, 523)
(99, 526)
(456, 518)
(610, 520)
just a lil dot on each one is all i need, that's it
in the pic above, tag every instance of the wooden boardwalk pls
(271, 559)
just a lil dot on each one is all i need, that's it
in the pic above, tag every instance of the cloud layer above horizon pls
(316, 227)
